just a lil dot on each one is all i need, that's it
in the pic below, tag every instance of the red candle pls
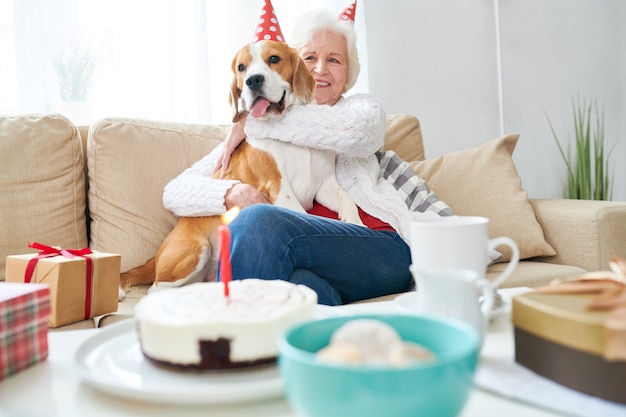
(225, 267)
(226, 272)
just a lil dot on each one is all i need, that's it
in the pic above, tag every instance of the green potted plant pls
(76, 68)
(587, 163)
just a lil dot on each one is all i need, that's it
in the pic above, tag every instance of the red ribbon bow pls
(50, 252)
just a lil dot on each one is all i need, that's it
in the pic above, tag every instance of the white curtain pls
(156, 59)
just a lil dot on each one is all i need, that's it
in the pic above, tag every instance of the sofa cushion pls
(42, 184)
(483, 181)
(403, 135)
(129, 163)
(530, 273)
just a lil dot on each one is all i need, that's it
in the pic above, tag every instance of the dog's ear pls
(303, 82)
(235, 92)
(233, 99)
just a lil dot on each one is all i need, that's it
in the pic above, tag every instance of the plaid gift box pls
(24, 310)
(83, 284)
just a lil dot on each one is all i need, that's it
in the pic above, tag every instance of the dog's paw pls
(160, 286)
(120, 294)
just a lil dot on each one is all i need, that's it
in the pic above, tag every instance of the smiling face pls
(326, 56)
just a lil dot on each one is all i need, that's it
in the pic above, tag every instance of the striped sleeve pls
(417, 195)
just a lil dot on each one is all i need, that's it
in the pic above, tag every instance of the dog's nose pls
(254, 82)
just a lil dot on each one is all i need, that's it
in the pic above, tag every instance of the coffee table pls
(54, 388)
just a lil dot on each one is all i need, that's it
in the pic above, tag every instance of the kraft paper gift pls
(83, 284)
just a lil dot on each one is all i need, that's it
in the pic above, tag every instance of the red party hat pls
(267, 27)
(348, 13)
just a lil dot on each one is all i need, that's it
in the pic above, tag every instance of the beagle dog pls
(268, 78)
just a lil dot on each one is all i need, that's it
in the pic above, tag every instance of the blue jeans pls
(342, 262)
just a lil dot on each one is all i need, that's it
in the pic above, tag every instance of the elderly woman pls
(342, 262)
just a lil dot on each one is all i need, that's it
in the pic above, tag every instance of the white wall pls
(436, 59)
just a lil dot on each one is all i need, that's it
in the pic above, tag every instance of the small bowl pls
(433, 389)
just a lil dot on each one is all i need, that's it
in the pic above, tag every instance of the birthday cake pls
(198, 327)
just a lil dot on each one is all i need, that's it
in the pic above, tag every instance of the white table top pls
(54, 388)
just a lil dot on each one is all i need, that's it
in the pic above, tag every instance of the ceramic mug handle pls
(488, 296)
(492, 244)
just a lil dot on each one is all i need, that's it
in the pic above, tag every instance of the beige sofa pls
(100, 186)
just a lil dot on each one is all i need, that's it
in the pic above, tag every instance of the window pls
(157, 59)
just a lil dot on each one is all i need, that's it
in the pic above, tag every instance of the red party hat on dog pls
(267, 27)
(348, 13)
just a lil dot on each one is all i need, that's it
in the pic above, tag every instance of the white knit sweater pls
(354, 128)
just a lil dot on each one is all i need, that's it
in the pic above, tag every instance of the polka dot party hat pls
(348, 13)
(267, 27)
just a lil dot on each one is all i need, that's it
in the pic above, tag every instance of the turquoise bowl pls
(436, 389)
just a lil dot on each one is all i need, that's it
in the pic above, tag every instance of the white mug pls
(455, 293)
(458, 242)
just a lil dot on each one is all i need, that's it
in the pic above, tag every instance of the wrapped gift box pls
(24, 311)
(559, 337)
(80, 288)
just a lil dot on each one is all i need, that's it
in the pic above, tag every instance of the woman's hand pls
(232, 141)
(243, 195)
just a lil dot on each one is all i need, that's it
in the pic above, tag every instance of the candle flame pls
(230, 215)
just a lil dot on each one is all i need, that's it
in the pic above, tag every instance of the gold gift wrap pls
(561, 333)
(72, 299)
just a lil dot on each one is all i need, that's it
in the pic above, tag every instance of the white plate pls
(408, 303)
(112, 361)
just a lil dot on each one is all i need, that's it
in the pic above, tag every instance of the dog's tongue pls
(259, 107)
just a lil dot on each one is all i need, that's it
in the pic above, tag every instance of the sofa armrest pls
(583, 233)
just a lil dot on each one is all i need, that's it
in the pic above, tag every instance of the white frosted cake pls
(198, 327)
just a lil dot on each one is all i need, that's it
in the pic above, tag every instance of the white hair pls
(322, 19)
